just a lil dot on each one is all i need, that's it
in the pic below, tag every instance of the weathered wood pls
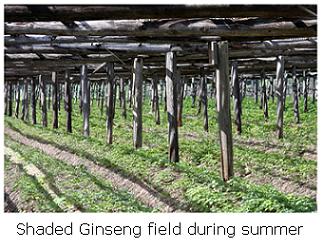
(221, 63)
(109, 68)
(171, 88)
(256, 86)
(10, 94)
(264, 95)
(33, 101)
(161, 28)
(236, 97)
(295, 97)
(68, 101)
(6, 98)
(306, 93)
(123, 101)
(280, 95)
(193, 92)
(85, 101)
(25, 106)
(156, 100)
(180, 92)
(55, 99)
(42, 85)
(314, 90)
(17, 99)
(204, 103)
(26, 13)
(137, 105)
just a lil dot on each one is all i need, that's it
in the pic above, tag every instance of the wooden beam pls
(10, 94)
(280, 95)
(85, 100)
(137, 105)
(264, 95)
(171, 95)
(221, 63)
(67, 13)
(173, 28)
(295, 97)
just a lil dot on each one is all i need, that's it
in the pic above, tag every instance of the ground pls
(87, 174)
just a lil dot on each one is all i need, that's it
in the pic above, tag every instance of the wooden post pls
(272, 89)
(219, 58)
(156, 100)
(17, 99)
(109, 68)
(280, 95)
(313, 90)
(55, 100)
(236, 96)
(80, 97)
(295, 95)
(123, 98)
(204, 103)
(33, 101)
(85, 101)
(171, 94)
(42, 85)
(180, 91)
(306, 83)
(137, 106)
(26, 101)
(68, 101)
(10, 93)
(255, 81)
(264, 95)
(6, 98)
(193, 92)
(285, 90)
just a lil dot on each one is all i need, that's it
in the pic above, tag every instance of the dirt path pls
(147, 196)
(37, 174)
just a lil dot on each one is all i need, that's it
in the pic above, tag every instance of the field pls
(50, 170)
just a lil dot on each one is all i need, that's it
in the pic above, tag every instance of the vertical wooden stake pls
(171, 93)
(306, 83)
(204, 103)
(280, 95)
(221, 62)
(26, 102)
(109, 68)
(42, 85)
(55, 100)
(85, 84)
(10, 89)
(68, 101)
(137, 105)
(236, 96)
(33, 101)
(295, 95)
(156, 100)
(123, 98)
(17, 99)
(180, 91)
(264, 95)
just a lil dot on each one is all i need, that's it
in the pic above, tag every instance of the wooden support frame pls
(236, 96)
(221, 63)
(171, 95)
(109, 68)
(295, 97)
(85, 101)
(137, 102)
(55, 100)
(33, 102)
(42, 85)
(68, 101)
(280, 95)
